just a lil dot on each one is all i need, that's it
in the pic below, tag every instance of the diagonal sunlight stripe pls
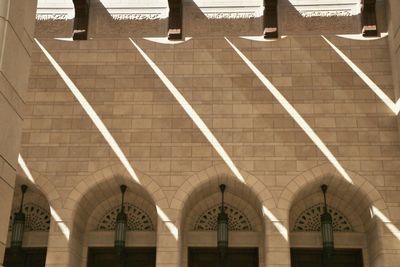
(103, 129)
(295, 115)
(389, 225)
(63, 227)
(25, 169)
(275, 221)
(394, 107)
(92, 114)
(192, 114)
(167, 221)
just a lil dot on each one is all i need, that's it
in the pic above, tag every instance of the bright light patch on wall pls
(192, 114)
(389, 225)
(294, 114)
(168, 223)
(237, 9)
(92, 114)
(394, 107)
(61, 224)
(55, 10)
(131, 10)
(100, 125)
(63, 227)
(360, 37)
(64, 39)
(25, 169)
(164, 40)
(327, 8)
(278, 225)
(261, 38)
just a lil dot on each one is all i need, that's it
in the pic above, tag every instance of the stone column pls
(277, 245)
(58, 252)
(17, 20)
(64, 244)
(168, 243)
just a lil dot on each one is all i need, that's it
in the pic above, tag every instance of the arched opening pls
(94, 225)
(36, 229)
(356, 231)
(199, 222)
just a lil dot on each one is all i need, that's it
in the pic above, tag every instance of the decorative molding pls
(137, 16)
(207, 221)
(231, 15)
(327, 9)
(138, 220)
(232, 12)
(53, 16)
(326, 13)
(37, 219)
(134, 13)
(295, 23)
(310, 220)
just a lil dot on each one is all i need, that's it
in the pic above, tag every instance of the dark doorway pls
(305, 257)
(237, 257)
(133, 257)
(29, 257)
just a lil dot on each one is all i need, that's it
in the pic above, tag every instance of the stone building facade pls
(271, 119)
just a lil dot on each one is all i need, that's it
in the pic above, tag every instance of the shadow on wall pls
(55, 25)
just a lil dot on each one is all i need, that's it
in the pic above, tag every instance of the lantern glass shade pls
(120, 232)
(222, 231)
(327, 233)
(17, 231)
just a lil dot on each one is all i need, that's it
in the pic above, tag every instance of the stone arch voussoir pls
(150, 186)
(299, 182)
(253, 183)
(46, 187)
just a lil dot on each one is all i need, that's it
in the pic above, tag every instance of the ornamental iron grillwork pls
(138, 220)
(207, 221)
(310, 220)
(37, 219)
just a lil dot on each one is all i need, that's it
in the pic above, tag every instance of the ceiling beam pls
(368, 14)
(81, 21)
(270, 19)
(175, 20)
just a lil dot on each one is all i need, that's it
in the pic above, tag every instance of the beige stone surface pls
(77, 170)
(16, 31)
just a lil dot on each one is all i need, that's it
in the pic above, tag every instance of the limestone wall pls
(166, 148)
(16, 33)
(394, 26)
(108, 115)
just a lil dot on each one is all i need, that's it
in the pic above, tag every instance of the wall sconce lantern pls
(222, 230)
(18, 226)
(326, 228)
(121, 226)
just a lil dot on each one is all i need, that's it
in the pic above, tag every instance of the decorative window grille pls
(310, 220)
(207, 221)
(138, 220)
(37, 219)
